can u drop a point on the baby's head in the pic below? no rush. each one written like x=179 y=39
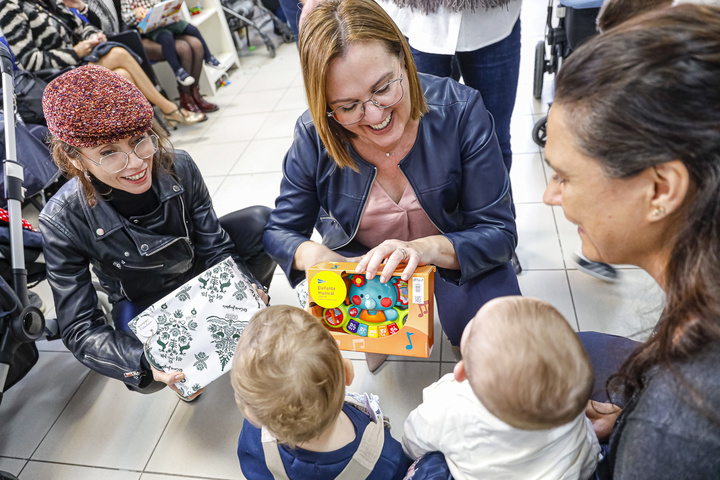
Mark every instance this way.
x=288 y=374
x=525 y=363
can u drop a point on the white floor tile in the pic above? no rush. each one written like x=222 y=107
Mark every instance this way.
x=399 y=386
x=269 y=79
x=201 y=437
x=55 y=471
x=155 y=476
x=30 y=408
x=538 y=246
x=551 y=286
x=238 y=191
x=521 y=134
x=13 y=466
x=631 y=307
x=256 y=102
x=217 y=159
x=528 y=178
x=263 y=155
x=236 y=128
x=106 y=425
x=280 y=123
x=293 y=99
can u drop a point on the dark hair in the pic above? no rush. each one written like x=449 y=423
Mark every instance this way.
x=645 y=93
x=63 y=153
x=614 y=12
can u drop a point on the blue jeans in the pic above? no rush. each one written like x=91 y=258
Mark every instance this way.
x=292 y=9
x=493 y=71
x=458 y=304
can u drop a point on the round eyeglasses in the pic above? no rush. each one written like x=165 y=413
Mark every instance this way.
x=386 y=96
x=116 y=162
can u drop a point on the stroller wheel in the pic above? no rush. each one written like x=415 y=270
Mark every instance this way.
x=539 y=69
x=539 y=132
x=271 y=49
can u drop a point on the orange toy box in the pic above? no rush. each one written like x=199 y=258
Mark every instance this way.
x=367 y=316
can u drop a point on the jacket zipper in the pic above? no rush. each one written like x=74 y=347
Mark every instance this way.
x=108 y=363
x=187 y=233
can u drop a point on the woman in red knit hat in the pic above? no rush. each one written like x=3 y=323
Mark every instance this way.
x=137 y=212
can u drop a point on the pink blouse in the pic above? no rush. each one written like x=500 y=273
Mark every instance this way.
x=384 y=219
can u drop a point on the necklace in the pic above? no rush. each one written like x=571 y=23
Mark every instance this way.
x=388 y=154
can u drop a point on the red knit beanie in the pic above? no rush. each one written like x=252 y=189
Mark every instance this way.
x=91 y=106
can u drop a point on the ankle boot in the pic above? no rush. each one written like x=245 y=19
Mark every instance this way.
x=187 y=102
x=200 y=101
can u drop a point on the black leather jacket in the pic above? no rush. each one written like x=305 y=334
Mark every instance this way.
x=131 y=261
x=455 y=169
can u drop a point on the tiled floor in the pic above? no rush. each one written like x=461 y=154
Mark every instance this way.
x=64 y=422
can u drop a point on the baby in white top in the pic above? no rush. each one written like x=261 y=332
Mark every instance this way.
x=514 y=407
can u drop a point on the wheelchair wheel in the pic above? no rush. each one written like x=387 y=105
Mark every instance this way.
x=539 y=132
x=539 y=69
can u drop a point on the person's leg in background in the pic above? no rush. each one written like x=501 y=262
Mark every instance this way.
x=196 y=51
x=204 y=52
x=170 y=53
x=432 y=63
x=119 y=58
x=494 y=72
x=292 y=9
x=246 y=228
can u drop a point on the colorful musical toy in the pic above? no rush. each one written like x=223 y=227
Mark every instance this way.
x=371 y=309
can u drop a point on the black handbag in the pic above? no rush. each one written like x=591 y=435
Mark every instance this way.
x=29 y=90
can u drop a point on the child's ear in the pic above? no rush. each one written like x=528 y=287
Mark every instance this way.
x=349 y=371
x=459 y=371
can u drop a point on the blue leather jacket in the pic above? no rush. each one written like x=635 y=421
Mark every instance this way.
x=455 y=169
x=131 y=261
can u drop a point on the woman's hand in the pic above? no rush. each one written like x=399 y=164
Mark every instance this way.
x=84 y=47
x=603 y=417
x=77 y=4
x=171 y=378
x=436 y=250
x=98 y=38
x=393 y=252
x=263 y=296
x=140 y=13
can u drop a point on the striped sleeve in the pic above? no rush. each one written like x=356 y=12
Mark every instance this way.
x=17 y=27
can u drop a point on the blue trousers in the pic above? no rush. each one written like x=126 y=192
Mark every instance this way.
x=607 y=354
x=291 y=9
x=458 y=304
x=493 y=71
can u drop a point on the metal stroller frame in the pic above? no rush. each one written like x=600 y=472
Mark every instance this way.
x=576 y=25
x=22 y=323
x=248 y=8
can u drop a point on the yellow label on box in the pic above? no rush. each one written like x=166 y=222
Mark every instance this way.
x=328 y=289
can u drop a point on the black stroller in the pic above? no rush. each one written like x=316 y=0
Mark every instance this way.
x=20 y=323
x=252 y=14
x=575 y=25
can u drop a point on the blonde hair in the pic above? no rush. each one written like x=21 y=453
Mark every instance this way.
x=63 y=155
x=525 y=363
x=326 y=34
x=289 y=373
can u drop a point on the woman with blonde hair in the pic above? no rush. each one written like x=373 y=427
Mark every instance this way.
x=394 y=165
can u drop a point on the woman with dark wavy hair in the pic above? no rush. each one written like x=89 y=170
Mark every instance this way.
x=634 y=140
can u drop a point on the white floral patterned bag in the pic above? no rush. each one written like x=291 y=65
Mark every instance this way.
x=195 y=329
